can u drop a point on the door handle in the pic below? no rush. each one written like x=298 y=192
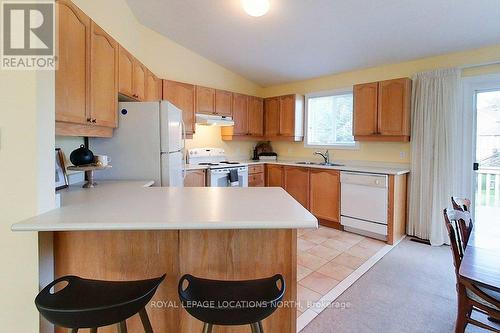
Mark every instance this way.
x=475 y=166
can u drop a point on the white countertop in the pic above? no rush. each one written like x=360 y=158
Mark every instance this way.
x=368 y=167
x=131 y=206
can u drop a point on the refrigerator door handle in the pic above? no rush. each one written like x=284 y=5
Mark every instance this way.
x=183 y=126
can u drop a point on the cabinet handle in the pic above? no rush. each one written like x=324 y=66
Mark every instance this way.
x=94 y=120
x=89 y=120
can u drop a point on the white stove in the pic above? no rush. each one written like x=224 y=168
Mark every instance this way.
x=220 y=169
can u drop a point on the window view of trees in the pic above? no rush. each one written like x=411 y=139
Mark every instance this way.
x=330 y=120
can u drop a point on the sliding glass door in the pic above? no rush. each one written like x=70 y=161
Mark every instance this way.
x=487 y=154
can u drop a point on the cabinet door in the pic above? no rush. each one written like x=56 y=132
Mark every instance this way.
x=394 y=98
x=272 y=116
x=139 y=80
x=182 y=95
x=256 y=180
x=125 y=73
x=205 y=100
x=297 y=184
x=240 y=114
x=287 y=115
x=104 y=78
x=152 y=91
x=224 y=103
x=195 y=178
x=274 y=175
x=324 y=200
x=365 y=109
x=255 y=116
x=72 y=75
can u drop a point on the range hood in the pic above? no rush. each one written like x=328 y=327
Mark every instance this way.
x=212 y=120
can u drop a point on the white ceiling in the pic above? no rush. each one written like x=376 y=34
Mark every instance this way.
x=301 y=39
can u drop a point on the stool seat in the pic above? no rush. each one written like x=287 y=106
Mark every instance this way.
x=218 y=302
x=85 y=303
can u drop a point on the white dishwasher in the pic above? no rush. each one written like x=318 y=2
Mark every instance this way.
x=364 y=203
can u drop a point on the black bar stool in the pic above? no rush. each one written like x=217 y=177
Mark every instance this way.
x=231 y=303
x=83 y=303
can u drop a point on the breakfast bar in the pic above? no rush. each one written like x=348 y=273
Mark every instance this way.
x=128 y=231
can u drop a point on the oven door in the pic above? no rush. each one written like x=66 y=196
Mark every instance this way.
x=220 y=177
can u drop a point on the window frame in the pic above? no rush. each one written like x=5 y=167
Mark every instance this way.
x=325 y=93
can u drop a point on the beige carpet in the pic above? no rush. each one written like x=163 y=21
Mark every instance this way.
x=411 y=289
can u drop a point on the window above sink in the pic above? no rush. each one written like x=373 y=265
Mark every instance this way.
x=329 y=120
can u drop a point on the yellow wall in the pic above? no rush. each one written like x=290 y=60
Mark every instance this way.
x=385 y=152
x=21 y=178
x=164 y=57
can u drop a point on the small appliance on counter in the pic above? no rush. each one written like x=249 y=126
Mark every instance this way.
x=264 y=151
x=221 y=172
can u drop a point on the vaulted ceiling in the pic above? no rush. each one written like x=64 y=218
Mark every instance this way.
x=301 y=39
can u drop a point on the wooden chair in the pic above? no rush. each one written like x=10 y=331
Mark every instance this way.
x=462 y=204
x=471 y=297
x=465 y=227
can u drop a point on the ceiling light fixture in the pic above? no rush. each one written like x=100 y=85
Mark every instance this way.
x=255 y=7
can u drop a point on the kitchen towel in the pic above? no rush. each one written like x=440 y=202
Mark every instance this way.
x=233 y=177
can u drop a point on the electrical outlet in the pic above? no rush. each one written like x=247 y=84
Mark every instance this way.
x=402 y=155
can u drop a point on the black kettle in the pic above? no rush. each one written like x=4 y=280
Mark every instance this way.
x=81 y=156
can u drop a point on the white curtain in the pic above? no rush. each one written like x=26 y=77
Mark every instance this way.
x=436 y=149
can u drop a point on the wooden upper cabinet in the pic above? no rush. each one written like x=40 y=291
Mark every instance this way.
x=104 y=78
x=382 y=110
x=284 y=117
x=72 y=75
x=272 y=116
x=324 y=197
x=394 y=100
x=182 y=95
x=139 y=80
x=274 y=176
x=125 y=72
x=224 y=103
x=240 y=114
x=297 y=184
x=287 y=115
x=255 y=116
x=153 y=89
x=205 y=100
x=365 y=108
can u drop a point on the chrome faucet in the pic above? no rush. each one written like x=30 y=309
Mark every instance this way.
x=326 y=156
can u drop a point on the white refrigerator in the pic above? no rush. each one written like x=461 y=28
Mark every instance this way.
x=147 y=145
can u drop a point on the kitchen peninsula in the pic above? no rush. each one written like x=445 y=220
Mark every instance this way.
x=127 y=231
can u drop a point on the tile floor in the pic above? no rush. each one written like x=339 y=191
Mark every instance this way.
x=327 y=256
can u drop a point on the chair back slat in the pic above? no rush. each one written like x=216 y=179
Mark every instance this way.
x=465 y=224
x=461 y=204
x=452 y=218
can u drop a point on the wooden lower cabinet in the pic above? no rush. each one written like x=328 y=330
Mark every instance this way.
x=256 y=176
x=397 y=210
x=297 y=184
x=213 y=254
x=318 y=190
x=324 y=196
x=195 y=178
x=274 y=176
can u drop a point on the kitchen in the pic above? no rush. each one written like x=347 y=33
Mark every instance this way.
x=170 y=130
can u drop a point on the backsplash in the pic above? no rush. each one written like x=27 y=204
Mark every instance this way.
x=389 y=152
